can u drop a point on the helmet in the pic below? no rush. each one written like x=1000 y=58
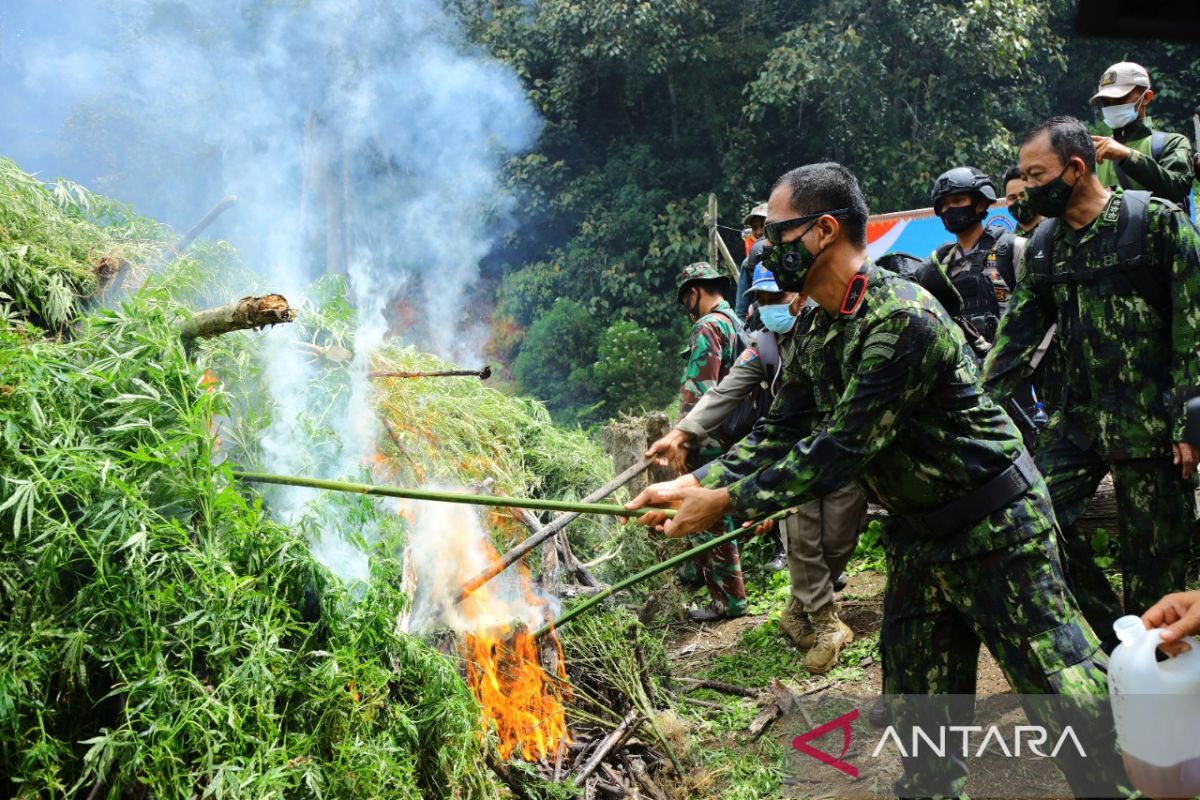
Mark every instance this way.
x=763 y=280
x=759 y=210
x=961 y=179
x=699 y=271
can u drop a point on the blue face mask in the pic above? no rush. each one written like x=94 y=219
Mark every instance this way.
x=777 y=318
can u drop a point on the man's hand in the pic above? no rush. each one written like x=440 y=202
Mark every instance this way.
x=671 y=450
x=1180 y=613
x=1109 y=149
x=699 y=510
x=667 y=493
x=1186 y=456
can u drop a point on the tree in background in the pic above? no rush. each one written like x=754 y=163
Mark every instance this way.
x=650 y=106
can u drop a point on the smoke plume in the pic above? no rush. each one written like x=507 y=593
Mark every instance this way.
x=362 y=137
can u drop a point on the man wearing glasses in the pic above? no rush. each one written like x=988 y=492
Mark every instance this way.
x=971 y=551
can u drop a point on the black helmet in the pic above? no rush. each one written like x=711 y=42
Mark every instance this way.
x=961 y=179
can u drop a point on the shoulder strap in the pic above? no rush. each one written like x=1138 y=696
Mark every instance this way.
x=1040 y=248
x=940 y=254
x=1147 y=279
x=1005 y=258
x=1158 y=142
x=768 y=351
x=739 y=330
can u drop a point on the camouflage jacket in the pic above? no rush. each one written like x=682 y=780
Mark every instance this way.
x=1169 y=176
x=711 y=350
x=1127 y=372
x=901 y=411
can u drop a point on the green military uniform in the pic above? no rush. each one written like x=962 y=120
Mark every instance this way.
x=1169 y=175
x=904 y=415
x=1127 y=372
x=712 y=348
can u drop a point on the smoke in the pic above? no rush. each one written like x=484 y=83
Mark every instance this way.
x=449 y=547
x=362 y=138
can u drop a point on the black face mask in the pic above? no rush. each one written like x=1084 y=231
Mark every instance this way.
x=693 y=307
x=959 y=218
x=1051 y=198
x=1021 y=212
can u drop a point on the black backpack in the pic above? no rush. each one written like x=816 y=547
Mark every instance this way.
x=1152 y=284
x=755 y=405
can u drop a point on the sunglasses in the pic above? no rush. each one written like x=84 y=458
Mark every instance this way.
x=774 y=230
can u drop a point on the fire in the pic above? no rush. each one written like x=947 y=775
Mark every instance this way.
x=519 y=700
x=522 y=701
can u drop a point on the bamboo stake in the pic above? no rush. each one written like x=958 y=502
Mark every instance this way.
x=648 y=572
x=550 y=529
x=608 y=509
x=482 y=374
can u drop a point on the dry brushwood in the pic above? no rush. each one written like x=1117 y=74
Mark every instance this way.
x=613 y=741
x=249 y=312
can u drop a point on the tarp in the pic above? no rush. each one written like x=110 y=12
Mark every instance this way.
x=919 y=232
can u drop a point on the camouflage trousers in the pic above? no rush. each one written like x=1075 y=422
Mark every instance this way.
x=721 y=570
x=1017 y=603
x=1156 y=526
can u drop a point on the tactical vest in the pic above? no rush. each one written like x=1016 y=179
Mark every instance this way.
x=988 y=280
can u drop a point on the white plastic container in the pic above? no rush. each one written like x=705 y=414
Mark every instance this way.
x=1156 y=706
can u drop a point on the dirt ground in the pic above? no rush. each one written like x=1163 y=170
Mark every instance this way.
x=696 y=650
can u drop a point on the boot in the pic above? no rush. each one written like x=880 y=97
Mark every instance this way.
x=795 y=625
x=832 y=636
x=779 y=559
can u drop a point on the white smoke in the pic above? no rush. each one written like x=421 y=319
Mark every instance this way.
x=359 y=135
x=449 y=547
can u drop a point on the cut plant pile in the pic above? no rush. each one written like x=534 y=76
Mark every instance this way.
x=160 y=635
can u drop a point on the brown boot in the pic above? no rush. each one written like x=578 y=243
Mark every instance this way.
x=832 y=636
x=795 y=625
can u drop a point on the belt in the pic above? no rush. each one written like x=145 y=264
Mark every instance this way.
x=979 y=503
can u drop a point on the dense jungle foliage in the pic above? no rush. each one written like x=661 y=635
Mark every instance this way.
x=649 y=106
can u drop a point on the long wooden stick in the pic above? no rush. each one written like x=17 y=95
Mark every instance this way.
x=249 y=312
x=611 y=742
x=608 y=509
x=550 y=529
x=482 y=374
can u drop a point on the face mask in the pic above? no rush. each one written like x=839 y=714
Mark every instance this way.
x=790 y=262
x=1117 y=117
x=959 y=218
x=692 y=306
x=1021 y=212
x=1051 y=198
x=777 y=318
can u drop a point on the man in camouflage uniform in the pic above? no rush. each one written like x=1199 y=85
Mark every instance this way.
x=1136 y=156
x=819 y=536
x=1119 y=273
x=712 y=348
x=971 y=556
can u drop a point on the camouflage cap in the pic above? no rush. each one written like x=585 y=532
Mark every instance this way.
x=1119 y=80
x=759 y=210
x=699 y=271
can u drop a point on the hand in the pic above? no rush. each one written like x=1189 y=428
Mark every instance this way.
x=762 y=527
x=665 y=494
x=1186 y=456
x=671 y=450
x=699 y=510
x=1180 y=613
x=1109 y=149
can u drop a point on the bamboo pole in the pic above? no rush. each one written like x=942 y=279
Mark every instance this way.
x=548 y=530
x=648 y=572
x=734 y=267
x=609 y=509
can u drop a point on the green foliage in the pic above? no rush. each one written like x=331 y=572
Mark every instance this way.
x=1100 y=548
x=51 y=246
x=159 y=632
x=651 y=106
x=554 y=362
x=627 y=354
x=868 y=554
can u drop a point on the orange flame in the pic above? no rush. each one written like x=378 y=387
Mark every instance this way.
x=519 y=700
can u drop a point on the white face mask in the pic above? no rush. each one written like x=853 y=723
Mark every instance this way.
x=1117 y=117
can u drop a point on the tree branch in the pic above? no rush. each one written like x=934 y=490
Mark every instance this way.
x=249 y=312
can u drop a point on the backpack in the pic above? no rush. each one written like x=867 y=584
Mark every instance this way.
x=1152 y=285
x=755 y=405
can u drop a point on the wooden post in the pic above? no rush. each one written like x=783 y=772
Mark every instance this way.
x=710 y=223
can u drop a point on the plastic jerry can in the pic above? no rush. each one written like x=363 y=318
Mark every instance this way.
x=1156 y=707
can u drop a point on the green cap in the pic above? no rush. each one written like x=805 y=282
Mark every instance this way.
x=699 y=271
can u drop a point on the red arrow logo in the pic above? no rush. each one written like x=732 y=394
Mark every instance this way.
x=843 y=722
